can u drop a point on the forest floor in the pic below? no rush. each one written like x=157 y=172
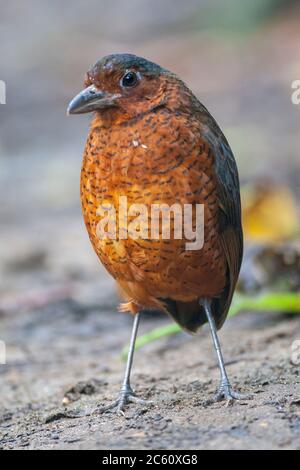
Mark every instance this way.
x=59 y=348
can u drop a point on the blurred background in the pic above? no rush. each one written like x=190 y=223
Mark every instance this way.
x=239 y=58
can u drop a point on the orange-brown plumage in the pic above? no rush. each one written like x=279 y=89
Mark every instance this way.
x=156 y=143
x=152 y=143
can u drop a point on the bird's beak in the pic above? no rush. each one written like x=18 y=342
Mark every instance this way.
x=91 y=99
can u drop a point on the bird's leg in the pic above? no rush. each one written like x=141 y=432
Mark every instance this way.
x=126 y=394
x=225 y=390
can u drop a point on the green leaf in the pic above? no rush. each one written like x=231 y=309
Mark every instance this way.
x=285 y=302
x=157 y=333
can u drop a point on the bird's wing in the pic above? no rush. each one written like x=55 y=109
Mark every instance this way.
x=230 y=214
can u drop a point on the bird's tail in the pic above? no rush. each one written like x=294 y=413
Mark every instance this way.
x=191 y=315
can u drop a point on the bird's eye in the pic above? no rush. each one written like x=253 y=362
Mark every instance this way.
x=130 y=79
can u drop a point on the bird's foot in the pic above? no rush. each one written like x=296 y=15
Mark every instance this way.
x=226 y=393
x=126 y=396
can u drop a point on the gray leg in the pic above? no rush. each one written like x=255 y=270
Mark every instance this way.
x=225 y=390
x=126 y=394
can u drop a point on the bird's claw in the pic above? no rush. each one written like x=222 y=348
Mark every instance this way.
x=118 y=406
x=226 y=393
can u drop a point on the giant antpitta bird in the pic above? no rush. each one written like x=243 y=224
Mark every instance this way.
x=152 y=142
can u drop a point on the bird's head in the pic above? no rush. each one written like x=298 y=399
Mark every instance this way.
x=122 y=82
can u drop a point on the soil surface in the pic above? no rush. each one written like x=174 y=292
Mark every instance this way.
x=60 y=351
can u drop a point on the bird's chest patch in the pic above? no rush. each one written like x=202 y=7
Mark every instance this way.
x=124 y=175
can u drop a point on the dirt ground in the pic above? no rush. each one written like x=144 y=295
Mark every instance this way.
x=61 y=348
